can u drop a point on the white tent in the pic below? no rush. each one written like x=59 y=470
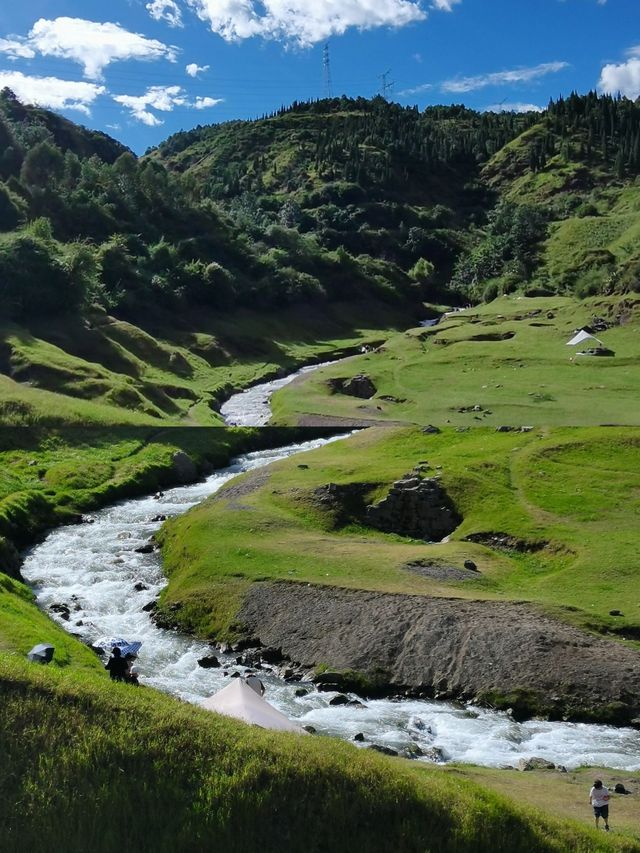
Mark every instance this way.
x=242 y=702
x=580 y=337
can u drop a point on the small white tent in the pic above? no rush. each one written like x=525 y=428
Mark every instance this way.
x=580 y=337
x=242 y=702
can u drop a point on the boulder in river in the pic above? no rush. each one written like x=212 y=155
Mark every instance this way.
x=208 y=662
x=535 y=763
x=62 y=610
x=340 y=699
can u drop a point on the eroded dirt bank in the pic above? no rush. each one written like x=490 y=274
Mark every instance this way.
x=503 y=653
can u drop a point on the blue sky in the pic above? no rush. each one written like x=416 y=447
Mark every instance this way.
x=142 y=69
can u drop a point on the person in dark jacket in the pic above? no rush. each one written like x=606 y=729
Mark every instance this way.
x=117 y=666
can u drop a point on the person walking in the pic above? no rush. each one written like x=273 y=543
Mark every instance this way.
x=599 y=799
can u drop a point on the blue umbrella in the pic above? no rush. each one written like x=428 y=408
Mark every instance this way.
x=109 y=643
x=42 y=653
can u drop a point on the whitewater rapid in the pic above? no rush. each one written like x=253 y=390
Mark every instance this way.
x=253 y=406
x=96 y=571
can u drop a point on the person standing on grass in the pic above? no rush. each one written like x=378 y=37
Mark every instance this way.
x=599 y=799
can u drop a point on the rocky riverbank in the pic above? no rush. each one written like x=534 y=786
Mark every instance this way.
x=502 y=654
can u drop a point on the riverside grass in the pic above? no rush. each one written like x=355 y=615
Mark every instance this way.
x=124 y=769
x=109 y=372
x=576 y=490
x=509 y=357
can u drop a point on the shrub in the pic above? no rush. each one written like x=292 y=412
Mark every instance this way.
x=34 y=279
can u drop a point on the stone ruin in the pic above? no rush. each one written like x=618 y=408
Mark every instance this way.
x=416 y=507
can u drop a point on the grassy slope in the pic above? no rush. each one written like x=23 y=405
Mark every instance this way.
x=530 y=378
x=565 y=486
x=113 y=372
x=564 y=795
x=593 y=239
x=48 y=477
x=124 y=769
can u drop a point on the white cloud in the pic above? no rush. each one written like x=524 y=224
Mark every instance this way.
x=481 y=81
x=15 y=48
x=502 y=78
x=164 y=99
x=623 y=78
x=52 y=92
x=193 y=70
x=416 y=90
x=91 y=44
x=166 y=10
x=514 y=108
x=446 y=5
x=304 y=22
x=205 y=103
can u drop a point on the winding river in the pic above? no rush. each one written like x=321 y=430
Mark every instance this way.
x=96 y=570
x=253 y=406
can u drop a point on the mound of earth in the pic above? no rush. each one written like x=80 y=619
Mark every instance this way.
x=440 y=571
x=500 y=652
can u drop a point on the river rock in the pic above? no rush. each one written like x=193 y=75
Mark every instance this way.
x=140 y=587
x=535 y=763
x=340 y=699
x=184 y=468
x=359 y=738
x=62 y=610
x=309 y=729
x=413 y=752
x=150 y=606
x=434 y=753
x=208 y=662
x=301 y=692
x=385 y=750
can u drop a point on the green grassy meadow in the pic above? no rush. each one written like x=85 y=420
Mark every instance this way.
x=508 y=357
x=110 y=372
x=124 y=769
x=568 y=488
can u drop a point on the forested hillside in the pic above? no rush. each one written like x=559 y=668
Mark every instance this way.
x=193 y=269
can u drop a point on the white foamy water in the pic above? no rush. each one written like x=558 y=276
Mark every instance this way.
x=253 y=406
x=93 y=568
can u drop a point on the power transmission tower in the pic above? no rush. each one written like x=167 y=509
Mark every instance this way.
x=326 y=67
x=386 y=85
